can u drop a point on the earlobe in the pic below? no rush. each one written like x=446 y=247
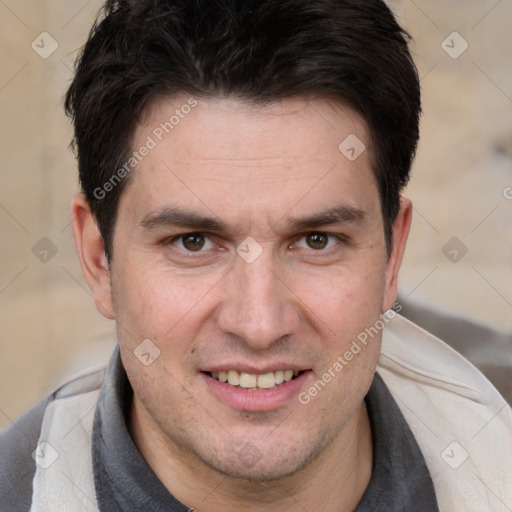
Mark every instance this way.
x=401 y=229
x=91 y=254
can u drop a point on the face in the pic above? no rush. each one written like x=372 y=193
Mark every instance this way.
x=248 y=247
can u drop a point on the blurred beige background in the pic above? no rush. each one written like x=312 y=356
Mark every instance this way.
x=460 y=184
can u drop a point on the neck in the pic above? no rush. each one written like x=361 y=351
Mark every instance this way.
x=334 y=482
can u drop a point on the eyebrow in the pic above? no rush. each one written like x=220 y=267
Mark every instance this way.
x=337 y=215
x=182 y=218
x=178 y=217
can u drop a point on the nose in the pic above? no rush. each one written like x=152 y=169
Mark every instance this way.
x=258 y=306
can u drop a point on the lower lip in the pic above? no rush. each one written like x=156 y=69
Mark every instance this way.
x=258 y=399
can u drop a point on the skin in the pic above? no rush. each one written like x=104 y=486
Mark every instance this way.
x=299 y=303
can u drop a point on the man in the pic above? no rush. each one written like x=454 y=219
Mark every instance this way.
x=241 y=221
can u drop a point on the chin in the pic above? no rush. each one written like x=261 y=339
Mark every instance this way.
x=246 y=462
x=263 y=471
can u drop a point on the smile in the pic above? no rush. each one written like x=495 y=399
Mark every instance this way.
x=251 y=381
x=256 y=390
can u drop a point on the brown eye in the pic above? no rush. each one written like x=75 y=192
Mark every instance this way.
x=193 y=242
x=317 y=241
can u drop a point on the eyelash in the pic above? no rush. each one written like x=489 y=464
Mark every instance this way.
x=179 y=238
x=328 y=235
x=339 y=237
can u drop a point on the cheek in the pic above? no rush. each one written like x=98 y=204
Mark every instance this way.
x=155 y=303
x=347 y=312
x=348 y=297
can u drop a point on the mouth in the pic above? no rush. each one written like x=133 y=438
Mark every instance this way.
x=247 y=387
x=250 y=390
x=253 y=381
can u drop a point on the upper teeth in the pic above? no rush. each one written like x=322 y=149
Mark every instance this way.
x=251 y=380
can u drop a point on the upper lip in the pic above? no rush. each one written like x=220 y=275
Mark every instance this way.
x=255 y=370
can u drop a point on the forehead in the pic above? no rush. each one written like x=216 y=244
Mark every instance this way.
x=232 y=122
x=265 y=156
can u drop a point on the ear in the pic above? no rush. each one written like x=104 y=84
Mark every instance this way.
x=399 y=240
x=91 y=253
